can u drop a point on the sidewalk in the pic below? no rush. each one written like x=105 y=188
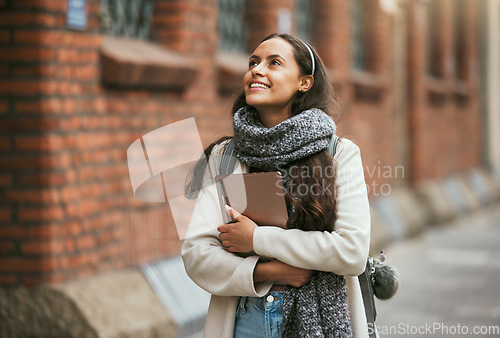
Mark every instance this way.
x=449 y=280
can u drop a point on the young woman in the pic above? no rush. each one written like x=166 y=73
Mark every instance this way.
x=307 y=286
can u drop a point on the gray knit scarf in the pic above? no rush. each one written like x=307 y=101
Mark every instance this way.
x=269 y=148
x=318 y=308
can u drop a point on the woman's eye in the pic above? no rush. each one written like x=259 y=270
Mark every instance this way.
x=252 y=64
x=275 y=63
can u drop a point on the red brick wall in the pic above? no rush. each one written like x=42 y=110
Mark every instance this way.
x=66 y=204
x=445 y=112
x=367 y=102
x=67 y=207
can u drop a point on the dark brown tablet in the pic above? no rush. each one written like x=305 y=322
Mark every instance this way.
x=259 y=196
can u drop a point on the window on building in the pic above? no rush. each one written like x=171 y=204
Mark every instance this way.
x=434 y=65
x=127 y=18
x=304 y=17
x=231 y=26
x=459 y=43
x=358 y=34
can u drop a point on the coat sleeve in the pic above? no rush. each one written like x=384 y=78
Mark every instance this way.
x=207 y=263
x=343 y=251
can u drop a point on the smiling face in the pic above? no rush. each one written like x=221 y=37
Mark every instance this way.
x=272 y=80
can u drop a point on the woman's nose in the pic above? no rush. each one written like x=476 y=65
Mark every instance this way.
x=258 y=70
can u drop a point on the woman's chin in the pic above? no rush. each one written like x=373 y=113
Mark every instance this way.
x=254 y=103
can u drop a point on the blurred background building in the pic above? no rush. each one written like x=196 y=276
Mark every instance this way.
x=419 y=83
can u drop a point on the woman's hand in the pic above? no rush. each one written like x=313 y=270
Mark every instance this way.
x=281 y=273
x=237 y=236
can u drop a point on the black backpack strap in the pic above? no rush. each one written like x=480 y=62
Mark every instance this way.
x=228 y=161
x=368 y=298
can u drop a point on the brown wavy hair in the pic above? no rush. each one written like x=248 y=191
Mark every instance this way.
x=311 y=210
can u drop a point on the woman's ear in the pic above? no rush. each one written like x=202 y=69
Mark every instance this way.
x=306 y=82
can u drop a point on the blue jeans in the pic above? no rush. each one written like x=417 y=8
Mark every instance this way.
x=260 y=317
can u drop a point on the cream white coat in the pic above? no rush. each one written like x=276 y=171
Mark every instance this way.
x=227 y=276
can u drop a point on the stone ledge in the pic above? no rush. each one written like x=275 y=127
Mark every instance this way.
x=414 y=214
x=41 y=312
x=397 y=216
x=230 y=70
x=368 y=86
x=435 y=200
x=484 y=184
x=120 y=304
x=380 y=235
x=128 y=63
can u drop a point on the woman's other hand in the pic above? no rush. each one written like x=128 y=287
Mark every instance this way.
x=281 y=273
x=238 y=235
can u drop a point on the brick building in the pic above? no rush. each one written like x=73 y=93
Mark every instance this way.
x=73 y=97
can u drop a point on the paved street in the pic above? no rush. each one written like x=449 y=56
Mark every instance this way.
x=450 y=280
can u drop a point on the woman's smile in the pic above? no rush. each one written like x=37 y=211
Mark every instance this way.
x=258 y=85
